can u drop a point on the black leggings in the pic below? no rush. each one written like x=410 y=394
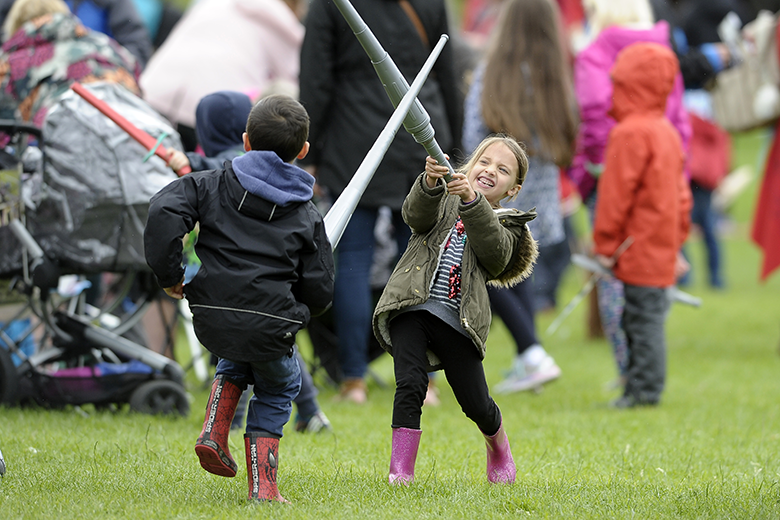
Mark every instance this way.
x=514 y=305
x=412 y=334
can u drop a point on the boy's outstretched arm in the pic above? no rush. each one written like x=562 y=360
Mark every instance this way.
x=172 y=214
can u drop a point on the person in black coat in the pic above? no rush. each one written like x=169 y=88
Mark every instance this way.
x=266 y=266
x=349 y=108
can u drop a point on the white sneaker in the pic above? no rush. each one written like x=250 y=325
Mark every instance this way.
x=315 y=424
x=527 y=377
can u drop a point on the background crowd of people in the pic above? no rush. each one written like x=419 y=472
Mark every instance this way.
x=539 y=70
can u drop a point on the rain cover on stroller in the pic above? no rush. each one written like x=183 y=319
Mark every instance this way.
x=89 y=210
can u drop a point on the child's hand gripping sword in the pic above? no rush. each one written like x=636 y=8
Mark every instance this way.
x=338 y=217
x=146 y=140
x=417 y=121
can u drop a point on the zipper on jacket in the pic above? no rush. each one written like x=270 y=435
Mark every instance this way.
x=218 y=308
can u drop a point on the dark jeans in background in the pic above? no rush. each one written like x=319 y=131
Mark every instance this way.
x=644 y=318
x=704 y=216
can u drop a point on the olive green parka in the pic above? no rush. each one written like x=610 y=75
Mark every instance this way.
x=499 y=251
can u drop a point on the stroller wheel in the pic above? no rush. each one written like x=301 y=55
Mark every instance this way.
x=9 y=379
x=160 y=397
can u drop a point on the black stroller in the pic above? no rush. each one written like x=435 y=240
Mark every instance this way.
x=74 y=207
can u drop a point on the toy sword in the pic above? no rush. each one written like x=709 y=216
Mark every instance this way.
x=598 y=271
x=417 y=121
x=595 y=275
x=338 y=217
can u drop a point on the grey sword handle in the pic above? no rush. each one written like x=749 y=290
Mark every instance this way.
x=417 y=122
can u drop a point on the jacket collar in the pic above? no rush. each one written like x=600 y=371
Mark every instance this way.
x=252 y=205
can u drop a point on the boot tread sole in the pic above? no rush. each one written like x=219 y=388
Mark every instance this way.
x=211 y=461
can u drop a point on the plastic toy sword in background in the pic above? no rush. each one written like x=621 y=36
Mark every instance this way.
x=146 y=140
x=338 y=217
x=417 y=121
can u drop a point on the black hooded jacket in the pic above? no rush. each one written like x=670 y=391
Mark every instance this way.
x=266 y=261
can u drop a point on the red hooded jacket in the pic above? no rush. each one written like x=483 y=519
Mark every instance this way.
x=643 y=192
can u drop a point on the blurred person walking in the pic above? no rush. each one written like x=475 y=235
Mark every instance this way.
x=523 y=87
x=710 y=158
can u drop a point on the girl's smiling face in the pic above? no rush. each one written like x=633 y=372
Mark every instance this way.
x=495 y=174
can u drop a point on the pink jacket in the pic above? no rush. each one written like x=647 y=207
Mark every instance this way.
x=593 y=90
x=240 y=45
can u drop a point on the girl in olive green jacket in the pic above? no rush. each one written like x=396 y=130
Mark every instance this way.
x=435 y=313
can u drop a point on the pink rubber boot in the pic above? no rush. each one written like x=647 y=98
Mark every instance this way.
x=500 y=464
x=403 y=455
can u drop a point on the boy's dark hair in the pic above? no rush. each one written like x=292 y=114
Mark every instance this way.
x=279 y=124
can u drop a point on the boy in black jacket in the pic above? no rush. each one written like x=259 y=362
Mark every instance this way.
x=266 y=266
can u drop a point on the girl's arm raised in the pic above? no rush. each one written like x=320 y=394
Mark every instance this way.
x=421 y=207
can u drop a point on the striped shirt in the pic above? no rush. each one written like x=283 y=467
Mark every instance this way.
x=446 y=284
x=444 y=300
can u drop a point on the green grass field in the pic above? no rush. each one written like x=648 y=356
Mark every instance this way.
x=711 y=450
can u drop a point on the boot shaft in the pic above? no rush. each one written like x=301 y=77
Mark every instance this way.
x=403 y=456
x=262 y=461
x=220 y=408
x=212 y=445
x=500 y=464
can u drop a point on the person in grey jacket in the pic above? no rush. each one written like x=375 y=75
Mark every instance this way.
x=266 y=266
x=434 y=312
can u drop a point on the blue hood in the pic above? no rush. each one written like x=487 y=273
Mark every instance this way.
x=264 y=174
x=221 y=120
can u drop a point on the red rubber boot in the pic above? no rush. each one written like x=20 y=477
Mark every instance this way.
x=212 y=445
x=262 y=459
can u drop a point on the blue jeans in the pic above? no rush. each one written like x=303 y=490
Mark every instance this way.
x=306 y=402
x=276 y=384
x=352 y=302
x=706 y=218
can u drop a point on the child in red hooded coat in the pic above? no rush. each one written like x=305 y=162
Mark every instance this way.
x=643 y=199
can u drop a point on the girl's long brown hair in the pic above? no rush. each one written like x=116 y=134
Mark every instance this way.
x=527 y=89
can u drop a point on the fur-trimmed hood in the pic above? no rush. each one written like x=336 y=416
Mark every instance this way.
x=527 y=252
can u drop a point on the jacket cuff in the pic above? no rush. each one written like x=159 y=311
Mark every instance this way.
x=170 y=282
x=433 y=192
x=467 y=206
